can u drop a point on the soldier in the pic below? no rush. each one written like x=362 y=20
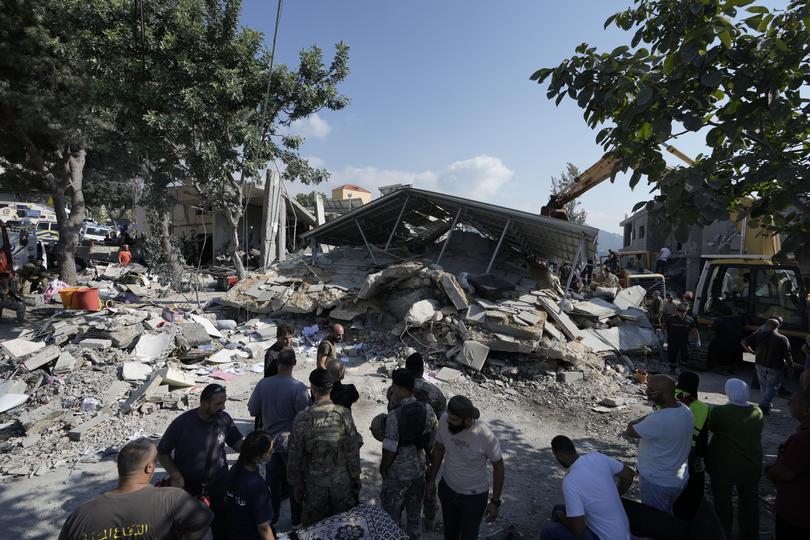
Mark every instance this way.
x=410 y=430
x=324 y=455
x=429 y=393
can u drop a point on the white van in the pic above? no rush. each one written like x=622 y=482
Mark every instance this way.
x=95 y=233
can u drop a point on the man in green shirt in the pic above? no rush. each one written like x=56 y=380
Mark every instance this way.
x=734 y=459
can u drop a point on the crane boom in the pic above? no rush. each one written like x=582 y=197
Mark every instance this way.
x=593 y=176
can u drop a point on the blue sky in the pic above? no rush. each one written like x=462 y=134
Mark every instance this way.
x=441 y=97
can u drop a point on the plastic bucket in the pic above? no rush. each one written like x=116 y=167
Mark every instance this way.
x=85 y=298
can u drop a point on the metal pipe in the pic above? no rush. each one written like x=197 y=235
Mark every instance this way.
x=368 y=247
x=449 y=234
x=399 y=217
x=498 y=246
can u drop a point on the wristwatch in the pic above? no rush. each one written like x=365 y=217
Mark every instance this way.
x=496 y=502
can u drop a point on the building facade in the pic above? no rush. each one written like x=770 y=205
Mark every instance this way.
x=351 y=191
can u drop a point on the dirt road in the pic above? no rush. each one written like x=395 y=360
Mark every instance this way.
x=36 y=507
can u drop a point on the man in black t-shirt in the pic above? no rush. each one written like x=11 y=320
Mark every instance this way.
x=773 y=360
x=136 y=509
x=678 y=328
x=284 y=337
x=192 y=450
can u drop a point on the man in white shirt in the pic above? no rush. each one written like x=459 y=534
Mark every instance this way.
x=465 y=444
x=662 y=264
x=666 y=440
x=593 y=506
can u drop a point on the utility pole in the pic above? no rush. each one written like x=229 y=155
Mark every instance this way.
x=269 y=218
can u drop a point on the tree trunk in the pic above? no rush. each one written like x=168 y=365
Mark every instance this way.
x=70 y=184
x=166 y=244
x=233 y=245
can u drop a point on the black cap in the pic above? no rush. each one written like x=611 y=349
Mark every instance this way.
x=404 y=378
x=688 y=381
x=463 y=407
x=321 y=378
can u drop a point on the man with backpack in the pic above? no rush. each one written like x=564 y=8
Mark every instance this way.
x=410 y=430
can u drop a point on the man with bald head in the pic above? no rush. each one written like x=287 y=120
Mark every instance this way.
x=135 y=508
x=327 y=350
x=665 y=441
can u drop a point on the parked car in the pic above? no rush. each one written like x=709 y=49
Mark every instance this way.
x=94 y=233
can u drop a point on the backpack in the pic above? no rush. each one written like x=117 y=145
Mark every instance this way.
x=411 y=420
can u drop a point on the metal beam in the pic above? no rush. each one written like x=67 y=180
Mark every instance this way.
x=368 y=247
x=573 y=265
x=399 y=218
x=449 y=234
x=498 y=246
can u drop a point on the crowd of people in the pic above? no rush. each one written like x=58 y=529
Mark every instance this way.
x=436 y=456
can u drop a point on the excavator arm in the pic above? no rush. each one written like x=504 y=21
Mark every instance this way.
x=593 y=176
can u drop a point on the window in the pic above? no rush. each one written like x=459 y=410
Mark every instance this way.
x=641 y=232
x=777 y=293
x=728 y=291
x=43 y=226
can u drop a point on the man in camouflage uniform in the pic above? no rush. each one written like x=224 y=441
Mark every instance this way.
x=324 y=455
x=429 y=393
x=404 y=461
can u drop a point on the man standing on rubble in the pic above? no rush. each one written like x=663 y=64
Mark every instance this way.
x=655 y=306
x=678 y=328
x=278 y=400
x=662 y=263
x=137 y=508
x=666 y=440
x=324 y=455
x=192 y=450
x=465 y=444
x=410 y=430
x=327 y=350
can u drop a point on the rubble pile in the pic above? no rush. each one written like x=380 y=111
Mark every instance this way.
x=81 y=383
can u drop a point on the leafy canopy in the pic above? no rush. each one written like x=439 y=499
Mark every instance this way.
x=730 y=69
x=573 y=209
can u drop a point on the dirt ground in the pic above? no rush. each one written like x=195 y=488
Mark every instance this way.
x=523 y=420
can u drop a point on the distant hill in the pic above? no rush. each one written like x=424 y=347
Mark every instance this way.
x=608 y=240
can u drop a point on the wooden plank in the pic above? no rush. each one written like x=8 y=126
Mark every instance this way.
x=88 y=427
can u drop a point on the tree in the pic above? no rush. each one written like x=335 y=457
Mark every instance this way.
x=308 y=199
x=730 y=69
x=221 y=126
x=49 y=119
x=573 y=209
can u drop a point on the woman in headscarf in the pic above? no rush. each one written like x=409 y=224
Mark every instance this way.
x=734 y=459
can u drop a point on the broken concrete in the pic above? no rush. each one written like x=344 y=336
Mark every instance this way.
x=421 y=312
x=473 y=354
x=96 y=344
x=19 y=348
x=64 y=364
x=42 y=357
x=630 y=297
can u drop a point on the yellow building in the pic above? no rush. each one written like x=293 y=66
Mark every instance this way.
x=351 y=191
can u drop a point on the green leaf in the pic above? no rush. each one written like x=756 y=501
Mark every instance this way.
x=725 y=38
x=711 y=78
x=692 y=122
x=541 y=74
x=669 y=64
x=645 y=131
x=638 y=206
x=620 y=50
x=753 y=22
x=644 y=96
x=757 y=9
x=715 y=137
x=635 y=178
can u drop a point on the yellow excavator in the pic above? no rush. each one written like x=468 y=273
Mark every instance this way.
x=751 y=286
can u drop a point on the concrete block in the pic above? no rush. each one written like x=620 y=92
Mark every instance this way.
x=42 y=357
x=19 y=348
x=475 y=314
x=453 y=290
x=145 y=389
x=421 y=312
x=447 y=374
x=151 y=347
x=209 y=326
x=175 y=377
x=97 y=344
x=64 y=364
x=194 y=334
x=12 y=386
x=473 y=354
x=135 y=371
x=569 y=377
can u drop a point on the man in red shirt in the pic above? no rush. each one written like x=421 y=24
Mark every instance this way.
x=791 y=475
x=124 y=256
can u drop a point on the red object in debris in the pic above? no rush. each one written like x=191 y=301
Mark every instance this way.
x=231 y=281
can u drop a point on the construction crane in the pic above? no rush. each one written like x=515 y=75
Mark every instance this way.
x=593 y=176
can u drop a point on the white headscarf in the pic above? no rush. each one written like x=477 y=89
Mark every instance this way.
x=737 y=392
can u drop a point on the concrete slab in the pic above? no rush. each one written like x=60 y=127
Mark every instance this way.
x=19 y=348
x=475 y=314
x=12 y=386
x=64 y=364
x=473 y=354
x=96 y=344
x=207 y=324
x=447 y=374
x=135 y=371
x=530 y=317
x=41 y=358
x=630 y=297
x=151 y=347
x=564 y=322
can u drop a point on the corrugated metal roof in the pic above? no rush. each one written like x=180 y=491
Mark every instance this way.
x=428 y=214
